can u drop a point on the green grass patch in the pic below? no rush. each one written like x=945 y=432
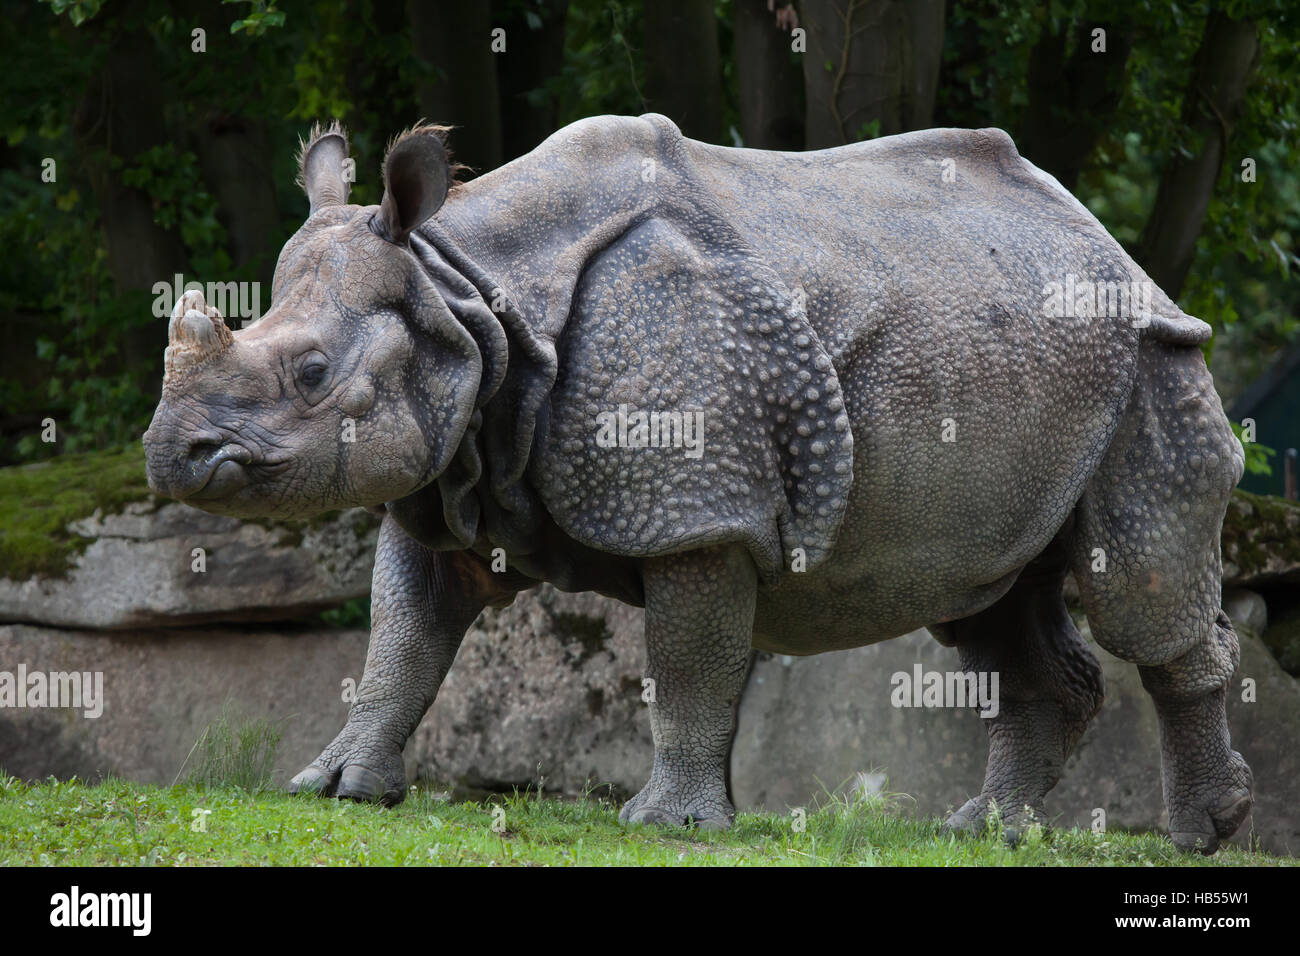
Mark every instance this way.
x=38 y=501
x=233 y=752
x=121 y=823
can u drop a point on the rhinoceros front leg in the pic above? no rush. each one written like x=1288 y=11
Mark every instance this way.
x=422 y=602
x=699 y=629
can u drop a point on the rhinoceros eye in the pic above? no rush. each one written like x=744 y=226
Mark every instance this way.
x=312 y=374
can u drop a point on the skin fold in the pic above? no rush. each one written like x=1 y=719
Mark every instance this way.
x=903 y=425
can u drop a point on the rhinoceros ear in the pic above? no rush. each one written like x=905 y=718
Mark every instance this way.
x=323 y=166
x=417 y=175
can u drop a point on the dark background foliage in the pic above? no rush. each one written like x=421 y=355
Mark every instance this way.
x=169 y=160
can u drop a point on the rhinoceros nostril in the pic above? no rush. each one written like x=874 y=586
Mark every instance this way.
x=203 y=451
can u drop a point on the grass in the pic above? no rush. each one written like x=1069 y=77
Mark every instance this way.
x=71 y=823
x=234 y=752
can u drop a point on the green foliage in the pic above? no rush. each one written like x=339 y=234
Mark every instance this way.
x=603 y=71
x=78 y=11
x=181 y=203
x=262 y=17
x=279 y=68
x=354 y=615
x=1257 y=455
x=868 y=130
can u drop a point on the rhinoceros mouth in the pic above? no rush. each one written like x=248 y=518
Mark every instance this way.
x=220 y=473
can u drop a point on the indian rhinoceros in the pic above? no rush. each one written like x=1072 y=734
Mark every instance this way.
x=926 y=385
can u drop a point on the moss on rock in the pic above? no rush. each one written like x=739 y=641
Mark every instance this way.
x=1261 y=536
x=38 y=502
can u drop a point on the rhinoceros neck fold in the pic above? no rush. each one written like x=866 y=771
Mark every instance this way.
x=486 y=481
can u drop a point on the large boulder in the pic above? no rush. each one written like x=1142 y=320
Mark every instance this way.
x=545 y=691
x=162 y=688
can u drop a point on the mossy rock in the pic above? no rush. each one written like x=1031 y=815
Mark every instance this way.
x=38 y=503
x=1261 y=540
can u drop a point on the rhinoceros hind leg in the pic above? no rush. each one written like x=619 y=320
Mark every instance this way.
x=1146 y=556
x=1049 y=687
x=699 y=629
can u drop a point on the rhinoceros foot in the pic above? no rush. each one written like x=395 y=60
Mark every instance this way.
x=662 y=804
x=349 y=771
x=974 y=815
x=1201 y=816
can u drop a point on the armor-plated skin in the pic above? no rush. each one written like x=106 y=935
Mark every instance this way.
x=899 y=429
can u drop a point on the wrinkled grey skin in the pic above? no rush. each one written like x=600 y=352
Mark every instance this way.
x=836 y=315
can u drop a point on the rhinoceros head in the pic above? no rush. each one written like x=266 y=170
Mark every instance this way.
x=357 y=385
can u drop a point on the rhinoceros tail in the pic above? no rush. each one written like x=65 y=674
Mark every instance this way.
x=1177 y=328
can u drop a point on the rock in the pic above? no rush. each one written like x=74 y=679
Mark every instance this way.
x=138 y=569
x=548 y=689
x=1283 y=640
x=808 y=726
x=162 y=688
x=1246 y=609
x=1261 y=542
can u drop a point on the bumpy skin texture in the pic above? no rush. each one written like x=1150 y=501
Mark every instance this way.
x=896 y=434
x=1155 y=506
x=422 y=602
x=699 y=623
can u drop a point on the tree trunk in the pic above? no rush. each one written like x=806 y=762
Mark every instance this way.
x=870 y=60
x=455 y=38
x=683 y=72
x=1222 y=69
x=234 y=154
x=383 y=101
x=119 y=117
x=769 y=78
x=1071 y=102
x=534 y=54
x=236 y=162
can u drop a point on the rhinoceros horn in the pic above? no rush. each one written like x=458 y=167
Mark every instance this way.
x=197 y=332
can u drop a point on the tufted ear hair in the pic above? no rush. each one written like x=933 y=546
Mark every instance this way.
x=417 y=177
x=323 y=166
